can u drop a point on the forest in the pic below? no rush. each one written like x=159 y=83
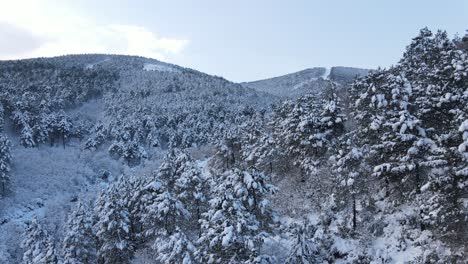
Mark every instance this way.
x=371 y=170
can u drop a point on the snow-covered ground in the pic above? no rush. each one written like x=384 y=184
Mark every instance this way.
x=45 y=182
x=326 y=74
x=159 y=67
x=90 y=66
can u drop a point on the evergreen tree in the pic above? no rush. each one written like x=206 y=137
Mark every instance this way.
x=97 y=137
x=351 y=183
x=2 y=118
x=303 y=250
x=79 y=242
x=463 y=147
x=113 y=229
x=239 y=218
x=5 y=159
x=166 y=207
x=38 y=245
x=306 y=129
x=229 y=148
x=64 y=127
x=175 y=249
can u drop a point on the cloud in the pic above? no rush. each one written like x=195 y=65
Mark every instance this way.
x=143 y=42
x=47 y=28
x=15 y=40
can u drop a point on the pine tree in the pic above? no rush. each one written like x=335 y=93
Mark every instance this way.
x=191 y=188
x=463 y=147
x=175 y=249
x=26 y=137
x=303 y=250
x=97 y=137
x=5 y=159
x=407 y=118
x=306 y=129
x=64 y=127
x=38 y=245
x=2 y=117
x=350 y=175
x=239 y=218
x=113 y=229
x=258 y=148
x=228 y=149
x=166 y=206
x=79 y=242
x=23 y=120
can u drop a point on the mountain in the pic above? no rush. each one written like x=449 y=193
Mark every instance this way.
x=180 y=99
x=121 y=159
x=72 y=124
x=309 y=80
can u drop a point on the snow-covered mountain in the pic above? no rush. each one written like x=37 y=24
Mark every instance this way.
x=311 y=80
x=77 y=122
x=121 y=159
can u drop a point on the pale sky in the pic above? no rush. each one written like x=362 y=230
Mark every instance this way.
x=241 y=40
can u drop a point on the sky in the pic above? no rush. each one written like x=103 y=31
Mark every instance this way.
x=242 y=40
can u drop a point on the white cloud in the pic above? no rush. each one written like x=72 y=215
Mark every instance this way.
x=143 y=42
x=57 y=30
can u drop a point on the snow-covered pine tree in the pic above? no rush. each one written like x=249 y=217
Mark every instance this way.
x=41 y=128
x=23 y=120
x=408 y=116
x=399 y=145
x=238 y=220
x=177 y=248
x=97 y=136
x=258 y=148
x=169 y=195
x=38 y=245
x=332 y=118
x=26 y=137
x=228 y=149
x=305 y=129
x=191 y=188
x=5 y=159
x=112 y=228
x=349 y=172
x=64 y=126
x=79 y=243
x=2 y=118
x=303 y=250
x=463 y=147
x=133 y=190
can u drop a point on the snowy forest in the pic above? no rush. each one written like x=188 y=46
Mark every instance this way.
x=123 y=159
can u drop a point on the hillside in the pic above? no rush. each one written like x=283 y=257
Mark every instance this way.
x=79 y=117
x=121 y=159
x=313 y=80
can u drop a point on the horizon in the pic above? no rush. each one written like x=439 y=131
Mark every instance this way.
x=254 y=41
x=168 y=62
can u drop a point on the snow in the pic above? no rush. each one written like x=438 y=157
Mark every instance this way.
x=425 y=187
x=159 y=67
x=463 y=126
x=304 y=83
x=228 y=236
x=90 y=66
x=45 y=181
x=326 y=73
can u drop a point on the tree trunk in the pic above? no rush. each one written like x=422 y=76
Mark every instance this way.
x=354 y=213
x=198 y=219
x=418 y=180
